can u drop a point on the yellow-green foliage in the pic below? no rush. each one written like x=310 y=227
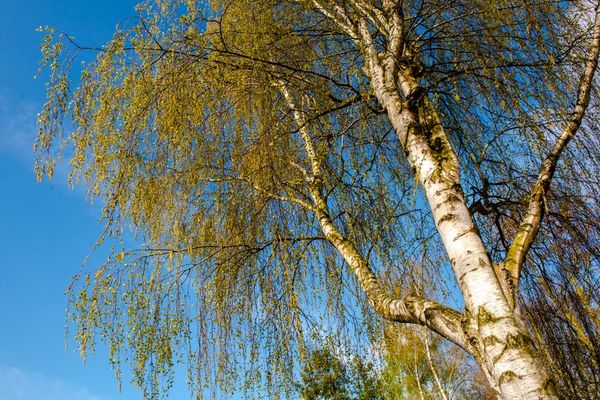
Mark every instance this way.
x=178 y=129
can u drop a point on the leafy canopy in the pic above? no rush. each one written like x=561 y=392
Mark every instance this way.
x=180 y=128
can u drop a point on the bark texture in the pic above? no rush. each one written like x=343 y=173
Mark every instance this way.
x=490 y=327
x=494 y=336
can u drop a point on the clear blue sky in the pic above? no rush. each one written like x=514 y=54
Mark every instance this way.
x=46 y=229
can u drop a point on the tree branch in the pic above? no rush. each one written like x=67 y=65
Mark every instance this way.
x=531 y=223
x=411 y=309
x=374 y=14
x=338 y=15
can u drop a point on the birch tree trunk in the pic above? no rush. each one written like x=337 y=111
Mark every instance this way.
x=491 y=326
x=493 y=334
x=491 y=330
x=502 y=347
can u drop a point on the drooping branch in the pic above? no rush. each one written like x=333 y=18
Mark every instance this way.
x=411 y=309
x=535 y=212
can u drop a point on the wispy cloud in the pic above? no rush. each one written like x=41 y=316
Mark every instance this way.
x=17 y=384
x=17 y=127
x=18 y=130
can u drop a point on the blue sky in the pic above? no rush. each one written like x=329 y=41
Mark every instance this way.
x=46 y=229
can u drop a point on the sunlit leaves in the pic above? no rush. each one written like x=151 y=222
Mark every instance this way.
x=178 y=128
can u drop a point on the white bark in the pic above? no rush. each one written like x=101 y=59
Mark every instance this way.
x=497 y=340
x=501 y=346
x=491 y=330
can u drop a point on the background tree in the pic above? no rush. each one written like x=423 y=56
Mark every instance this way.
x=409 y=365
x=418 y=365
x=330 y=373
x=563 y=313
x=288 y=164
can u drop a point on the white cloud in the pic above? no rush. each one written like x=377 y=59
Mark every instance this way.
x=17 y=127
x=18 y=131
x=17 y=384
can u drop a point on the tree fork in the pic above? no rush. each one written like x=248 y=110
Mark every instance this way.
x=501 y=345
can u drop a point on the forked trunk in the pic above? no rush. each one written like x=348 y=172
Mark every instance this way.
x=491 y=329
x=494 y=336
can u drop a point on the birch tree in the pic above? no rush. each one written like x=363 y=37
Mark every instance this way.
x=284 y=165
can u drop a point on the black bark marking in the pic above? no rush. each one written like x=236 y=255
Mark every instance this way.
x=491 y=340
x=484 y=317
x=447 y=218
x=471 y=230
x=518 y=341
x=507 y=376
